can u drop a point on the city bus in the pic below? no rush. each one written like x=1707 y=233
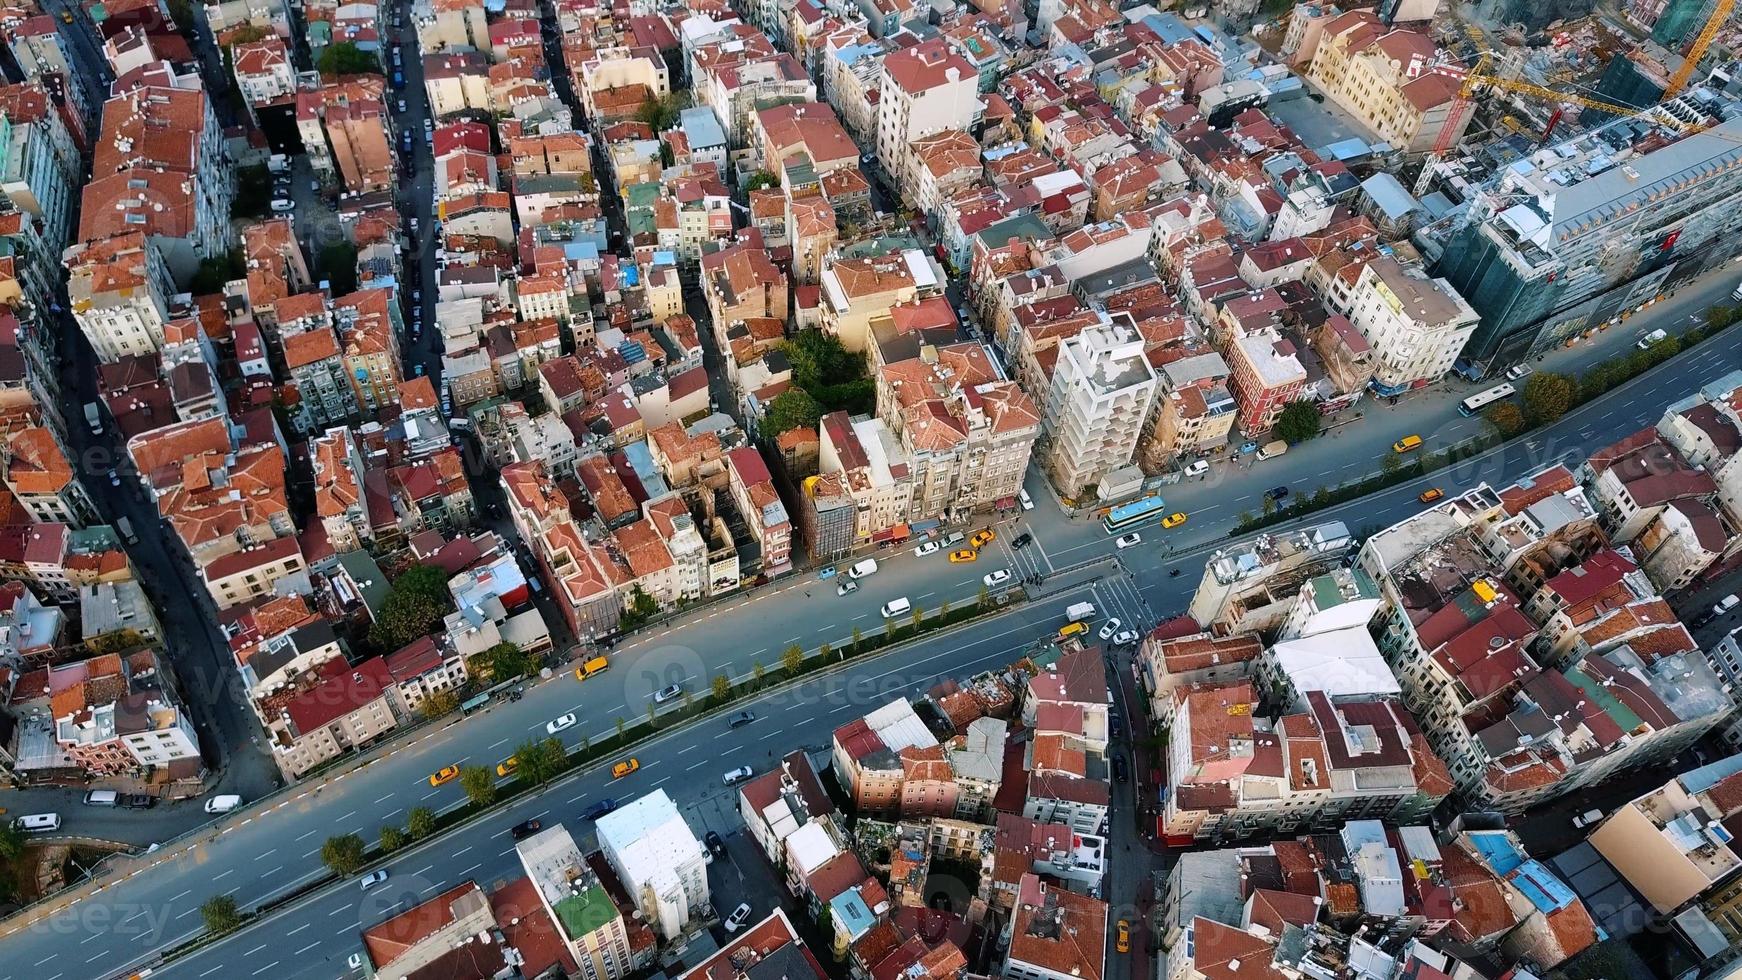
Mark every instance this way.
x=1475 y=403
x=1127 y=516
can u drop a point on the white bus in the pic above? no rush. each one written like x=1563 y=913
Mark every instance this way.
x=1475 y=403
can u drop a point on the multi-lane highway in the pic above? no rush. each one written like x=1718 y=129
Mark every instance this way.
x=259 y=856
x=263 y=856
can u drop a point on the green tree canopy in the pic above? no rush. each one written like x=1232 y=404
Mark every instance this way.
x=660 y=113
x=220 y=914
x=1298 y=422
x=1547 y=396
x=345 y=58
x=793 y=408
x=500 y=662
x=1506 y=417
x=414 y=607
x=343 y=853
x=392 y=839
x=337 y=264
x=541 y=760
x=479 y=782
x=420 y=822
x=759 y=180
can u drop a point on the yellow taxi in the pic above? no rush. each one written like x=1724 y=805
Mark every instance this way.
x=507 y=766
x=1173 y=520
x=447 y=773
x=1123 y=942
x=624 y=768
x=982 y=538
x=595 y=665
x=966 y=554
x=1430 y=495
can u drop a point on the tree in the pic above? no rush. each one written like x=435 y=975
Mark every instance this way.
x=438 y=703
x=479 y=782
x=343 y=853
x=245 y=34
x=1547 y=396
x=392 y=839
x=722 y=688
x=622 y=727
x=115 y=642
x=985 y=597
x=214 y=272
x=659 y=113
x=858 y=634
x=1390 y=463
x=642 y=607
x=759 y=180
x=11 y=841
x=792 y=660
x=345 y=58
x=337 y=263
x=414 y=607
x=757 y=671
x=943 y=609
x=793 y=408
x=1298 y=422
x=823 y=652
x=652 y=715
x=220 y=914
x=420 y=822
x=1268 y=504
x=541 y=761
x=918 y=616
x=1506 y=418
x=500 y=662
x=589 y=183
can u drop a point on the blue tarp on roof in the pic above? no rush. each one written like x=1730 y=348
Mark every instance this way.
x=1498 y=851
x=1545 y=891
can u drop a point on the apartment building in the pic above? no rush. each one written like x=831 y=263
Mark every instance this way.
x=325 y=710
x=1385 y=79
x=1101 y=392
x=1232 y=775
x=926 y=89
x=1512 y=732
x=1265 y=375
x=752 y=489
x=1415 y=326
x=120 y=290
x=1673 y=844
x=659 y=860
x=1056 y=934
x=589 y=922
x=1252 y=586
x=869 y=757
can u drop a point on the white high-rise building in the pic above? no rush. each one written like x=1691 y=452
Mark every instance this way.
x=1416 y=325
x=1102 y=389
x=659 y=860
x=926 y=89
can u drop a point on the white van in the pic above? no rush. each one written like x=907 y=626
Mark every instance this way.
x=223 y=804
x=38 y=823
x=102 y=797
x=863 y=568
x=897 y=607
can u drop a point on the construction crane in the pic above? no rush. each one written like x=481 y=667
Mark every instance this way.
x=1463 y=104
x=1714 y=23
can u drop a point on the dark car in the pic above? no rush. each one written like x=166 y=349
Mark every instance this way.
x=1276 y=493
x=525 y=828
x=1120 y=773
x=715 y=844
x=1115 y=725
x=137 y=801
x=600 y=809
x=741 y=719
x=1023 y=540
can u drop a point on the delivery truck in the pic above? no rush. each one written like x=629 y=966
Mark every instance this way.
x=1076 y=612
x=93 y=419
x=1275 y=447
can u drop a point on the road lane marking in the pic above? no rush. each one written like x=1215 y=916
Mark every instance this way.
x=255 y=950
x=470 y=870
x=384 y=799
x=423 y=869
x=307 y=948
x=47 y=958
x=266 y=967
x=298 y=929
x=213 y=970
x=695 y=767
x=303 y=837
x=339 y=911
x=224 y=874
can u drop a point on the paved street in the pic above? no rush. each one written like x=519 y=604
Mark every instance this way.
x=730 y=637
x=258 y=856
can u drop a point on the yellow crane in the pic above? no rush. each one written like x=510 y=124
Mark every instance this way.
x=1714 y=23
